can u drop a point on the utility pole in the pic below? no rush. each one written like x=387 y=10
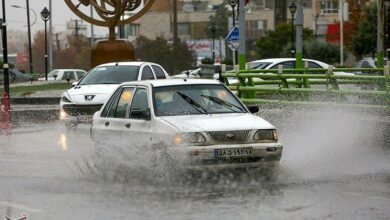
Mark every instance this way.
x=50 y=37
x=380 y=34
x=30 y=59
x=175 y=34
x=6 y=76
x=299 y=35
x=242 y=37
x=92 y=31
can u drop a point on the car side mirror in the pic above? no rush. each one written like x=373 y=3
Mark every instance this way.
x=55 y=77
x=148 y=115
x=74 y=84
x=253 y=108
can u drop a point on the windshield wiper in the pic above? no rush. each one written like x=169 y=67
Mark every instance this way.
x=223 y=102
x=194 y=104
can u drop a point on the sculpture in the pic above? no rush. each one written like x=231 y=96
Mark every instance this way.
x=111 y=12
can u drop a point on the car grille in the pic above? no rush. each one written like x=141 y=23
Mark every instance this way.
x=75 y=110
x=229 y=136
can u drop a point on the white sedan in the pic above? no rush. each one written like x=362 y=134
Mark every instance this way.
x=200 y=123
x=78 y=104
x=65 y=74
x=289 y=63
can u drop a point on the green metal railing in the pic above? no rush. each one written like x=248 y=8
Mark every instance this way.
x=284 y=85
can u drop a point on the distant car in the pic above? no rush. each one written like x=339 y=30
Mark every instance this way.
x=289 y=63
x=188 y=74
x=14 y=76
x=199 y=123
x=65 y=74
x=368 y=62
x=78 y=104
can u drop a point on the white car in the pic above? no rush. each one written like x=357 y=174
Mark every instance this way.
x=200 y=123
x=65 y=74
x=78 y=104
x=289 y=63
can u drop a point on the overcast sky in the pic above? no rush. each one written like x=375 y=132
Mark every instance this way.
x=17 y=18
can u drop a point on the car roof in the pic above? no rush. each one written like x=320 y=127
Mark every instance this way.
x=131 y=63
x=68 y=70
x=274 y=60
x=172 y=82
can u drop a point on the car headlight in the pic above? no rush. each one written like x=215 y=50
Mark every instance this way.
x=189 y=138
x=266 y=135
x=66 y=98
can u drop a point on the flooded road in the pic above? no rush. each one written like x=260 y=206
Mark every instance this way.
x=335 y=165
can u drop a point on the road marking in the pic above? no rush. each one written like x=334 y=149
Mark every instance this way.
x=19 y=206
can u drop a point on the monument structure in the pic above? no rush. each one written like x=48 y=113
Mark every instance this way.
x=111 y=13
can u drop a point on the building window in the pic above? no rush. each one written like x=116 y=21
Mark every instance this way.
x=183 y=29
x=329 y=7
x=133 y=29
x=255 y=28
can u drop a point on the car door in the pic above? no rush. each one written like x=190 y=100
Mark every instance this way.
x=138 y=117
x=112 y=120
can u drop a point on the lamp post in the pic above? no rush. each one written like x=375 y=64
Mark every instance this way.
x=293 y=8
x=213 y=29
x=45 y=15
x=28 y=31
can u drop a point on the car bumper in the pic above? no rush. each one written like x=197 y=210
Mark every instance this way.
x=203 y=157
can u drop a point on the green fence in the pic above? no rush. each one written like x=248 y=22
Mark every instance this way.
x=363 y=87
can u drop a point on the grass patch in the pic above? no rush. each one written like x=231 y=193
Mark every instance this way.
x=26 y=90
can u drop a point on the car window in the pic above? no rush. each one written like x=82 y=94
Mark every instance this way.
x=80 y=74
x=113 y=99
x=118 y=110
x=314 y=65
x=286 y=65
x=195 y=99
x=140 y=104
x=159 y=72
x=111 y=75
x=147 y=73
x=258 y=65
x=53 y=73
x=68 y=75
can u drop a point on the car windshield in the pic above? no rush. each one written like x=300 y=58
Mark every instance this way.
x=111 y=75
x=258 y=65
x=195 y=99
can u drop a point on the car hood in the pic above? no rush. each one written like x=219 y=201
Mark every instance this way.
x=100 y=93
x=217 y=122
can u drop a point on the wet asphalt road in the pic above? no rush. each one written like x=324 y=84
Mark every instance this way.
x=336 y=165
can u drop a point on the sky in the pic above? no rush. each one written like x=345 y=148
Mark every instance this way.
x=17 y=17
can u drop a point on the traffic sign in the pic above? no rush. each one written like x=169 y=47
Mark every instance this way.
x=234 y=35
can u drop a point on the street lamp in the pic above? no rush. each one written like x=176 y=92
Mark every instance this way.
x=293 y=8
x=45 y=15
x=28 y=31
x=213 y=29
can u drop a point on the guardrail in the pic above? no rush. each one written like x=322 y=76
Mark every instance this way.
x=301 y=86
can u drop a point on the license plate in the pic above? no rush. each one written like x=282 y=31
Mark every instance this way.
x=84 y=118
x=233 y=152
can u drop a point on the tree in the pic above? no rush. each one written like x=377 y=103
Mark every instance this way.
x=219 y=21
x=275 y=42
x=161 y=52
x=318 y=50
x=75 y=56
x=38 y=52
x=363 y=42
